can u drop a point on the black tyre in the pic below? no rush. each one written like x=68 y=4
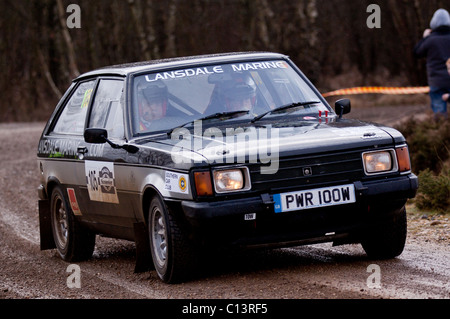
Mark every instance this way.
x=173 y=254
x=387 y=239
x=73 y=242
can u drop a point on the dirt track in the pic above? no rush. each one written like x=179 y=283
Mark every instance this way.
x=318 y=271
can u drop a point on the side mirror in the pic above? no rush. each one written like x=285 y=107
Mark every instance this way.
x=100 y=136
x=342 y=106
x=95 y=135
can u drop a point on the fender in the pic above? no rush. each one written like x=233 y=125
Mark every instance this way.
x=144 y=261
x=170 y=184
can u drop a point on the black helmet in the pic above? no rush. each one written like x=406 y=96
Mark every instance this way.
x=240 y=87
x=152 y=90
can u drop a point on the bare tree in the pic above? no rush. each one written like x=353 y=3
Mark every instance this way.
x=39 y=55
x=136 y=13
x=170 y=28
x=48 y=75
x=68 y=40
x=261 y=20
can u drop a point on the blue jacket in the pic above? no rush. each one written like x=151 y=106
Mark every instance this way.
x=436 y=49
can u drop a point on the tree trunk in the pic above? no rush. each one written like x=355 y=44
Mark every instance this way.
x=170 y=28
x=136 y=10
x=68 y=40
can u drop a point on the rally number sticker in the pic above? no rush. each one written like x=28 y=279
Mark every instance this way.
x=101 y=182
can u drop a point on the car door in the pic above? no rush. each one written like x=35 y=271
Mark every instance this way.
x=59 y=147
x=106 y=204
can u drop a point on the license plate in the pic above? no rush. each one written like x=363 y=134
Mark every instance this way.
x=313 y=198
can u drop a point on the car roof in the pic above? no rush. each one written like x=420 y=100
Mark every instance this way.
x=151 y=65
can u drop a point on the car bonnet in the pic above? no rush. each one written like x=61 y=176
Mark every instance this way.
x=250 y=144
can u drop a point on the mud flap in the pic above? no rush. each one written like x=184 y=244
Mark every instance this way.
x=45 y=226
x=143 y=255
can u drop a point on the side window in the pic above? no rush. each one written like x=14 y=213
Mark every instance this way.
x=73 y=117
x=107 y=110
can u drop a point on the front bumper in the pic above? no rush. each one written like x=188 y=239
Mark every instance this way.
x=253 y=220
x=372 y=192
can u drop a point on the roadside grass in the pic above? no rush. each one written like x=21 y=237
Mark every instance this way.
x=429 y=147
x=427 y=226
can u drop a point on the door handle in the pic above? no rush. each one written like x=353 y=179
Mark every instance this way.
x=82 y=149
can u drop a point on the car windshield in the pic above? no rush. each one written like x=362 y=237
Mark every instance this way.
x=165 y=100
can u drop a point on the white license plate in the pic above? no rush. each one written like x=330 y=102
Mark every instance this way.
x=313 y=198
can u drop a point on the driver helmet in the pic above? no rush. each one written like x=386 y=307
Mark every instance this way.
x=240 y=93
x=152 y=93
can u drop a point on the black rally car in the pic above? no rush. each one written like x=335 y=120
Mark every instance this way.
x=235 y=150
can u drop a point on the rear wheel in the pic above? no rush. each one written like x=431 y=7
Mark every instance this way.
x=172 y=252
x=73 y=242
x=387 y=239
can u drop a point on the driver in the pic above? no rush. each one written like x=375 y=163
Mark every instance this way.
x=152 y=103
x=240 y=94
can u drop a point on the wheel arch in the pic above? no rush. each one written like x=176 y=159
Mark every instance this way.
x=149 y=192
x=143 y=255
x=45 y=227
x=52 y=182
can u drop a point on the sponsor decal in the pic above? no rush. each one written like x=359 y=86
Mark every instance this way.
x=73 y=201
x=66 y=148
x=101 y=184
x=176 y=182
x=202 y=71
x=86 y=98
x=182 y=183
x=183 y=73
x=259 y=66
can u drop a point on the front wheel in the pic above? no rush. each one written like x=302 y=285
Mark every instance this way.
x=387 y=239
x=172 y=252
x=73 y=242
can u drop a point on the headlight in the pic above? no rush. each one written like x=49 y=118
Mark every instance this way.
x=380 y=162
x=231 y=180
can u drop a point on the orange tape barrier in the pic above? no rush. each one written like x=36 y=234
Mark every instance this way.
x=380 y=90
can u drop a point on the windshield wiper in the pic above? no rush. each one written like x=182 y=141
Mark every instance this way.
x=219 y=115
x=283 y=107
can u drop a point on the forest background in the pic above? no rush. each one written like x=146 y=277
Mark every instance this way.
x=330 y=40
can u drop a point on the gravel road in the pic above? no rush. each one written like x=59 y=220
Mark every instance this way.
x=313 y=272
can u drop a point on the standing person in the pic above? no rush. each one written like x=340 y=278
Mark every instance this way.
x=435 y=47
x=446 y=96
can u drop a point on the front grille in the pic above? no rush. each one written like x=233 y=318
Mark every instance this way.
x=325 y=169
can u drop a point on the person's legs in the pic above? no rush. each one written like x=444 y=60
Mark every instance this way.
x=438 y=105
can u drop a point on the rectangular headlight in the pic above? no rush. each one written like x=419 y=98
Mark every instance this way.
x=231 y=180
x=380 y=162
